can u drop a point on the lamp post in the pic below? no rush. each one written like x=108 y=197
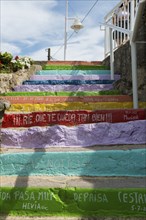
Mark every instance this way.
x=76 y=26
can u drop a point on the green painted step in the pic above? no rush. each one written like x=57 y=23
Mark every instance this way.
x=73 y=202
x=79 y=93
x=71 y=67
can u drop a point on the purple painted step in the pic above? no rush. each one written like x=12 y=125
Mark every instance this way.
x=73 y=77
x=56 y=88
x=84 y=135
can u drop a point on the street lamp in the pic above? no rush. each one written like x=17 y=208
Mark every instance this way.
x=76 y=26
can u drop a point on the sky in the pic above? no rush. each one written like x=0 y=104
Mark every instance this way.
x=30 y=27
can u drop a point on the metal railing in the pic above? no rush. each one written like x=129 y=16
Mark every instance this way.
x=123 y=17
x=121 y=24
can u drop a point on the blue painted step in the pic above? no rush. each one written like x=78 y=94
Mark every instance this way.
x=66 y=82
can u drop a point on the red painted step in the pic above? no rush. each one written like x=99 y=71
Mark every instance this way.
x=70 y=118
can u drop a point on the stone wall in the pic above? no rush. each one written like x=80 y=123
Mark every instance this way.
x=122 y=63
x=10 y=80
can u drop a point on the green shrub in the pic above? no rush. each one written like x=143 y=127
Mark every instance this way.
x=9 y=64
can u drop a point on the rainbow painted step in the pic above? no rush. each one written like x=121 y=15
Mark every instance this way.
x=84 y=135
x=75 y=67
x=71 y=118
x=73 y=63
x=58 y=99
x=62 y=93
x=74 y=77
x=67 y=82
x=90 y=106
x=72 y=72
x=73 y=201
x=56 y=88
x=85 y=163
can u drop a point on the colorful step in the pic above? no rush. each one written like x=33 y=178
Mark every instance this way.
x=82 y=163
x=75 y=67
x=71 y=118
x=74 y=77
x=61 y=93
x=73 y=63
x=73 y=72
x=67 y=82
x=91 y=106
x=58 y=99
x=84 y=135
x=73 y=202
x=57 y=88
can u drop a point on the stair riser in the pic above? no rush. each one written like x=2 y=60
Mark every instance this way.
x=85 y=135
x=74 y=202
x=67 y=82
x=89 y=163
x=92 y=63
x=59 y=99
x=72 y=72
x=71 y=118
x=56 y=88
x=63 y=93
x=74 y=77
x=23 y=108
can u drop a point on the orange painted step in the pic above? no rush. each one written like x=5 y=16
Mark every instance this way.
x=60 y=99
x=75 y=63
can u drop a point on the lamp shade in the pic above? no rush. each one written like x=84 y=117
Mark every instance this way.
x=77 y=25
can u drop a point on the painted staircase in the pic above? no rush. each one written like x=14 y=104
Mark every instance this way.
x=72 y=147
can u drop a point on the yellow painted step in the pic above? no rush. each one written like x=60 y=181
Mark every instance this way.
x=72 y=106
